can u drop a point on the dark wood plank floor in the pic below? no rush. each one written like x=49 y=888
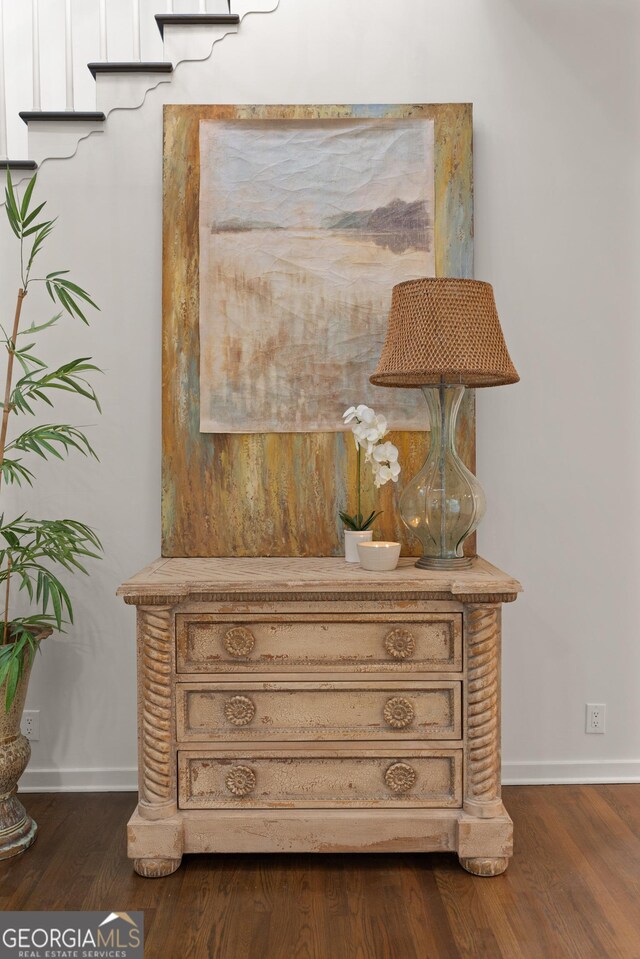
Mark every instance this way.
x=572 y=890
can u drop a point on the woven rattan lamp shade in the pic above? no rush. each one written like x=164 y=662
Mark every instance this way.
x=444 y=330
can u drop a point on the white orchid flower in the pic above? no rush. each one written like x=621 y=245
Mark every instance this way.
x=359 y=434
x=368 y=428
x=361 y=413
x=385 y=464
x=386 y=453
x=365 y=413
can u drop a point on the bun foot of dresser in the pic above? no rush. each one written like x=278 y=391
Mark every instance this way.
x=484 y=867
x=155 y=845
x=156 y=868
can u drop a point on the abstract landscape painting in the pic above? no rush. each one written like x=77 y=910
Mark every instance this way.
x=278 y=493
x=305 y=226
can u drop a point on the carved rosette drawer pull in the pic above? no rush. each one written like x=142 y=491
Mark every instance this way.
x=398 y=712
x=400 y=643
x=239 y=642
x=400 y=777
x=239 y=710
x=241 y=781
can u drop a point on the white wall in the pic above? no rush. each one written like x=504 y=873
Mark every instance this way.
x=555 y=87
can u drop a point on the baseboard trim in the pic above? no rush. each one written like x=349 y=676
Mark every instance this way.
x=567 y=771
x=79 y=780
x=513 y=774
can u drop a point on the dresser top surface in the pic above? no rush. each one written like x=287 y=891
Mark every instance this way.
x=184 y=578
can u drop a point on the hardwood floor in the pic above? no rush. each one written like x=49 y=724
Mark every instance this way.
x=572 y=890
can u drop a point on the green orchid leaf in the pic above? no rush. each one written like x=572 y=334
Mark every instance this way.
x=351 y=522
x=371 y=520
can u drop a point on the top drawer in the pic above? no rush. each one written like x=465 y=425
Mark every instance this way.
x=210 y=643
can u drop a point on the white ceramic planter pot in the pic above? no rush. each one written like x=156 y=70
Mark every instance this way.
x=351 y=539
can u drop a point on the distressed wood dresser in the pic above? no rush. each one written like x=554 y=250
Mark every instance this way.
x=309 y=705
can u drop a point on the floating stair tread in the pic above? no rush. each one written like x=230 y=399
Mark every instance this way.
x=135 y=66
x=30 y=116
x=18 y=165
x=195 y=19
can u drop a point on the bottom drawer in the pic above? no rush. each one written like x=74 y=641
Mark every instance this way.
x=213 y=779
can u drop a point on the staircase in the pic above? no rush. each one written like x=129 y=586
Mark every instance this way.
x=64 y=106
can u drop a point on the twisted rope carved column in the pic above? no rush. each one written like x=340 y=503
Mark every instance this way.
x=482 y=774
x=157 y=785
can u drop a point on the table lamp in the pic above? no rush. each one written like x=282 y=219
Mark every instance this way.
x=443 y=335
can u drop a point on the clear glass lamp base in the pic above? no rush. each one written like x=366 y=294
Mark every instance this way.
x=438 y=562
x=444 y=503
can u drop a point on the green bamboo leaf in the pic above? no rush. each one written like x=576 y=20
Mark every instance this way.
x=68 y=301
x=26 y=584
x=11 y=683
x=23 y=363
x=13 y=472
x=45 y=594
x=44 y=445
x=32 y=216
x=10 y=537
x=12 y=206
x=35 y=229
x=11 y=217
x=77 y=310
x=42 y=326
x=43 y=230
x=31 y=358
x=77 y=564
x=4 y=663
x=79 y=292
x=62 y=297
x=27 y=196
x=57 y=604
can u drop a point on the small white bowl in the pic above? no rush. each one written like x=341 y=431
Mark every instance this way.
x=378 y=555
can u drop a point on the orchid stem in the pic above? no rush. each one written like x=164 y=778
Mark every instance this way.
x=359 y=491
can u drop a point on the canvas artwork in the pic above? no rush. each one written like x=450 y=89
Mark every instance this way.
x=285 y=228
x=305 y=225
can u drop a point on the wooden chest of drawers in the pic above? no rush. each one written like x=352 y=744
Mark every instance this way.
x=308 y=705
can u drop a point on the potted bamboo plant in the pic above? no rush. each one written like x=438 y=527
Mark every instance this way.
x=33 y=552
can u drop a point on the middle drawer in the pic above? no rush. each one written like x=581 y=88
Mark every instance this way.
x=317 y=711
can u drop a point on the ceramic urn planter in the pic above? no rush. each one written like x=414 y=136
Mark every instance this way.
x=17 y=829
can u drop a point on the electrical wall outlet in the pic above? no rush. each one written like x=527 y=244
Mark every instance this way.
x=596 y=715
x=31 y=724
